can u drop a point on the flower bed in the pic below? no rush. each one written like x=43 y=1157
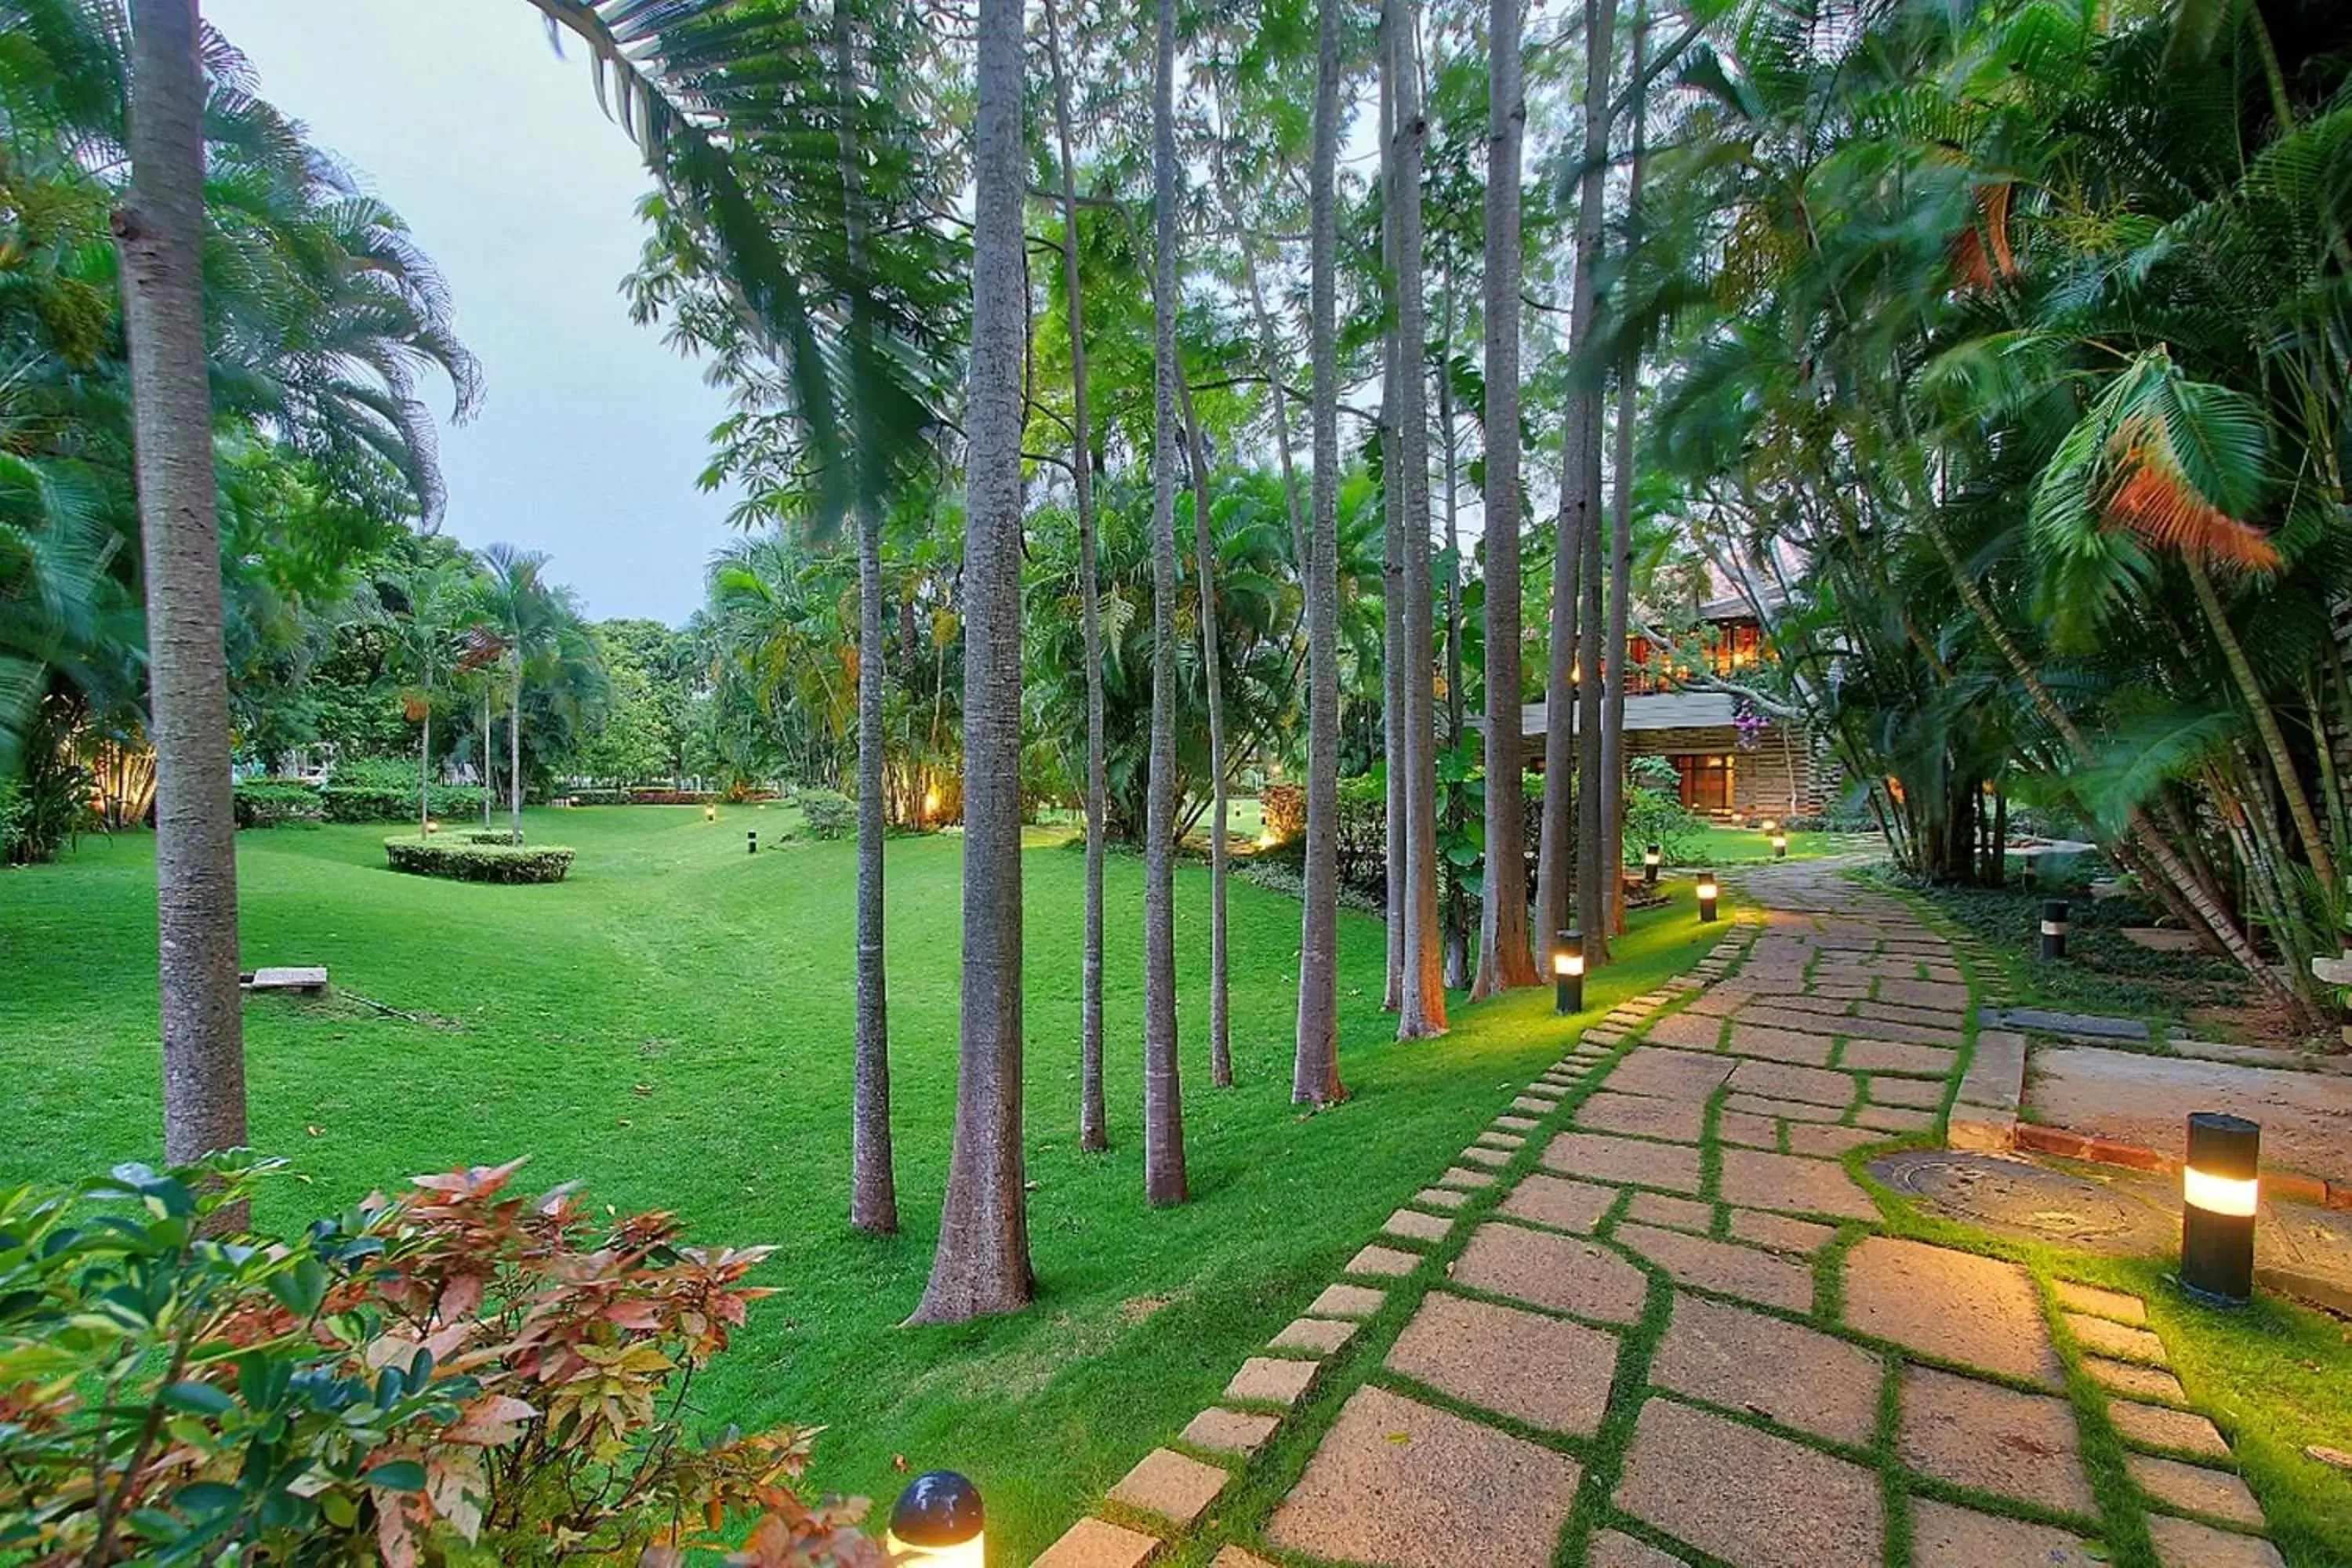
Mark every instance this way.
x=464 y=861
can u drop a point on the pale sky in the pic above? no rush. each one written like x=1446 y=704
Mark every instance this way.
x=590 y=432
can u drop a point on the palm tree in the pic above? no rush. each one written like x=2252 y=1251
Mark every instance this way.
x=516 y=599
x=982 y=1263
x=429 y=592
x=1612 y=846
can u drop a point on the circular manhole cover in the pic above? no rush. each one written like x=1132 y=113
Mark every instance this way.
x=2024 y=1199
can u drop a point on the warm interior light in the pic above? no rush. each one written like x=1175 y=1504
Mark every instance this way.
x=1559 y=963
x=1706 y=890
x=972 y=1554
x=1651 y=857
x=2218 y=1195
x=1571 y=963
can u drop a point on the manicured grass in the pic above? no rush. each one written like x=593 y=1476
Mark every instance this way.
x=1718 y=845
x=673 y=1024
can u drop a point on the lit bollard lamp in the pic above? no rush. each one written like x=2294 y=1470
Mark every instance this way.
x=1652 y=858
x=938 y=1523
x=1781 y=845
x=2218 y=1192
x=750 y=841
x=1568 y=973
x=710 y=812
x=2053 y=929
x=2030 y=870
x=1708 y=894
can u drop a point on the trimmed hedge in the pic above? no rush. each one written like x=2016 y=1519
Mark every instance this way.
x=460 y=857
x=268 y=803
x=829 y=814
x=372 y=803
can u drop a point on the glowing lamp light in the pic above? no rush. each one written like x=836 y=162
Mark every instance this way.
x=938 y=1523
x=431 y=825
x=930 y=802
x=1568 y=973
x=710 y=812
x=1266 y=840
x=1769 y=825
x=1708 y=894
x=1652 y=858
x=2053 y=929
x=1779 y=846
x=2220 y=1192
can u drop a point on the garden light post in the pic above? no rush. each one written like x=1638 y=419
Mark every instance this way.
x=2053 y=929
x=2029 y=871
x=1779 y=845
x=1567 y=973
x=750 y=841
x=710 y=811
x=1652 y=858
x=2218 y=1191
x=1708 y=893
x=938 y=1523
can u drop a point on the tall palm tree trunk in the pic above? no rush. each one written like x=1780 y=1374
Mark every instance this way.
x=1457 y=941
x=1315 y=1067
x=982 y=1263
x=1556 y=846
x=1204 y=554
x=1503 y=950
x=425 y=769
x=160 y=232
x=489 y=746
x=1163 y=1105
x=514 y=748
x=1423 y=1012
x=1621 y=565
x=1094 y=1126
x=1393 y=762
x=1591 y=913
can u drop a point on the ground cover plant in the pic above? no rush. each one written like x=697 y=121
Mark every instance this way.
x=673 y=1024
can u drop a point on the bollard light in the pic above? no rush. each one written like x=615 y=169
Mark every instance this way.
x=1567 y=973
x=2053 y=929
x=1707 y=892
x=1769 y=825
x=1779 y=846
x=939 y=1523
x=710 y=811
x=1652 y=858
x=2029 y=872
x=2219 y=1191
x=751 y=841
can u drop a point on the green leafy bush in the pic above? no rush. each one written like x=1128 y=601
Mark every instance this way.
x=370 y=803
x=1655 y=817
x=461 y=1377
x=829 y=815
x=374 y=772
x=458 y=857
x=15 y=811
x=270 y=802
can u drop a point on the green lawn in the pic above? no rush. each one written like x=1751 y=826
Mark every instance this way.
x=1716 y=844
x=673 y=1024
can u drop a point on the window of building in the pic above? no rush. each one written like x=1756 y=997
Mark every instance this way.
x=1705 y=781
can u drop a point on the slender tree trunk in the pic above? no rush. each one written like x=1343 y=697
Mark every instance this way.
x=424 y=770
x=1221 y=1055
x=514 y=749
x=1422 y=1010
x=1395 y=768
x=1591 y=912
x=1163 y=1105
x=1621 y=565
x=160 y=234
x=1503 y=948
x=1555 y=848
x=1457 y=940
x=1315 y=1069
x=982 y=1263
x=1094 y=1125
x=489 y=746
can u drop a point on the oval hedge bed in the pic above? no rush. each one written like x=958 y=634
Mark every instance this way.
x=466 y=859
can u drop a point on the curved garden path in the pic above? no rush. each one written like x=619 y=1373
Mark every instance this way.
x=1650 y=1316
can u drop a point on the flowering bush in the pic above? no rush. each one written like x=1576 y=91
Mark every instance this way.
x=459 y=1378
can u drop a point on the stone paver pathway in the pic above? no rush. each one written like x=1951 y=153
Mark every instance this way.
x=1648 y=1319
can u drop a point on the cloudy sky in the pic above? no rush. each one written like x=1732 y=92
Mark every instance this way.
x=592 y=432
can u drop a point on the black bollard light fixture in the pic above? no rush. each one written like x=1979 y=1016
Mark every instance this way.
x=2029 y=871
x=1780 y=845
x=2053 y=929
x=1568 y=973
x=1652 y=858
x=710 y=811
x=2219 y=1192
x=1708 y=893
x=750 y=841
x=939 y=1523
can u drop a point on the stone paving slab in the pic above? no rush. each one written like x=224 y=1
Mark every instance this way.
x=1945 y=1536
x=2192 y=1488
x=1672 y=1075
x=2098 y=1302
x=1546 y=1372
x=1745 y=1127
x=1615 y=1548
x=1994 y=1439
x=1768 y=1502
x=1823 y=1142
x=1224 y=1431
x=1272 y=1380
x=2161 y=1426
x=1754 y=1179
x=1955 y=1306
x=1234 y=1557
x=1784 y=1081
x=1679 y=1121
x=1382 y=1262
x=1559 y=1201
x=1441 y=1197
x=1683 y=1214
x=1347 y=1301
x=1097 y=1544
x=1894 y=1119
x=1417 y=1225
x=1397 y=1484
x=2114 y=1339
x=1779 y=1045
x=1696 y=1030
x=1560 y=1272
x=2139 y=1382
x=1479 y=1154
x=1767 y=1366
x=2185 y=1544
x=1789 y=1110
x=1176 y=1487
x=1781 y=1232
x=1463 y=1176
x=1894 y=1056
x=1317 y=1336
x=1724 y=1266
x=1919 y=1093
x=1668 y=1165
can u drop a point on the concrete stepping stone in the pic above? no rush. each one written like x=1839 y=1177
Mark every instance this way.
x=1636 y=1163
x=1557 y=1201
x=1603 y=1036
x=1822 y=1140
x=1671 y=1075
x=1954 y=1306
x=1696 y=1030
x=1945 y=1536
x=1382 y=1262
x=2093 y=1301
x=1542 y=1091
x=1720 y=1000
x=1176 y=1487
x=1909 y=1024
x=1347 y=1301
x=1894 y=1056
x=1098 y=1543
x=1796 y=1376
x=1272 y=1380
x=1724 y=1267
x=1784 y=1081
x=1994 y=1439
x=1480 y=1154
x=1684 y=1213
x=1680 y=1121
x=1791 y=1110
x=2185 y=1544
x=1463 y=1176
x=1418 y=1226
x=1781 y=1232
x=2161 y=1426
x=1919 y=1093
x=1741 y=1127
x=1615 y=1548
x=1827 y=1006
x=1755 y=1179
x=1894 y=1119
x=2108 y=1339
x=1925 y=994
x=1401 y=1485
x=1493 y=1140
x=1317 y=1336
x=1748 y=1497
x=1441 y=1197
x=1234 y=1557
x=2193 y=1488
x=1560 y=1272
x=1546 y=1372
x=2139 y=1382
x=1516 y=1123
x=1533 y=1104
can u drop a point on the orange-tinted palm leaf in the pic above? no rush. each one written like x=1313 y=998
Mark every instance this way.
x=2153 y=500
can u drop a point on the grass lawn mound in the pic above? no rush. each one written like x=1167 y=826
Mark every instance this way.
x=479 y=857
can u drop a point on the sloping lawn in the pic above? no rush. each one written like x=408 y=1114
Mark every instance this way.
x=673 y=1024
